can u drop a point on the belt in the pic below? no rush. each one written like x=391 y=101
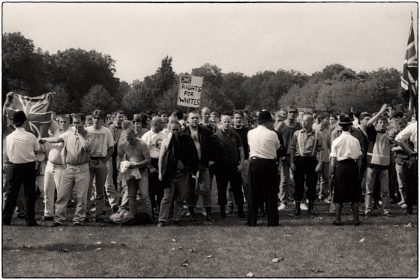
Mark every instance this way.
x=54 y=163
x=26 y=163
x=253 y=158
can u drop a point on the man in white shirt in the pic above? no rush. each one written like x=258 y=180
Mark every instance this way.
x=101 y=152
x=346 y=155
x=153 y=139
x=21 y=147
x=263 y=144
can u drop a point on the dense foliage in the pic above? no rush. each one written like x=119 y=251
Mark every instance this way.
x=84 y=80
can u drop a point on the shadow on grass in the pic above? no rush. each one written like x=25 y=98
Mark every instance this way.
x=66 y=247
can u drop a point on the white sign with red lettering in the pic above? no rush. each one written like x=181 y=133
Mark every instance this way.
x=190 y=88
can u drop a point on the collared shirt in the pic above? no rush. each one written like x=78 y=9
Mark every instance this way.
x=263 y=143
x=409 y=132
x=306 y=143
x=346 y=146
x=102 y=140
x=21 y=146
x=75 y=154
x=363 y=141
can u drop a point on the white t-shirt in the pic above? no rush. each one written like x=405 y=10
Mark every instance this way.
x=154 y=141
x=102 y=140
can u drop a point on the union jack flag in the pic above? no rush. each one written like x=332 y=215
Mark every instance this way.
x=410 y=68
x=36 y=110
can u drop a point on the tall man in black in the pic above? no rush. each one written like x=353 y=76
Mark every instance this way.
x=263 y=175
x=21 y=147
x=229 y=162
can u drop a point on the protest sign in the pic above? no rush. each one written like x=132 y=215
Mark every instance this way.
x=189 y=94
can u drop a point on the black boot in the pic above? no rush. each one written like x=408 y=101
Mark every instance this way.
x=209 y=216
x=222 y=211
x=311 y=208
x=297 y=208
x=192 y=212
x=241 y=213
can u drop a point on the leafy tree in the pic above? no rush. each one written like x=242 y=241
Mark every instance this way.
x=61 y=102
x=97 y=98
x=24 y=68
x=80 y=70
x=137 y=100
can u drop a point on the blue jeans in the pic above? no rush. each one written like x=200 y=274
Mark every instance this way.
x=177 y=187
x=98 y=170
x=371 y=175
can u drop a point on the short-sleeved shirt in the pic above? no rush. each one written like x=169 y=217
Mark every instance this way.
x=154 y=142
x=243 y=133
x=74 y=151
x=263 y=143
x=409 y=132
x=55 y=150
x=21 y=146
x=102 y=140
x=345 y=147
x=287 y=132
x=306 y=143
x=229 y=142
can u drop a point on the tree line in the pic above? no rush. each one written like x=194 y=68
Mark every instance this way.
x=84 y=80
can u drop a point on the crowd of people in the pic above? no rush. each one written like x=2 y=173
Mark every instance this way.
x=157 y=165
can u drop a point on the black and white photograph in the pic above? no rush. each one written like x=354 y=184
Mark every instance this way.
x=209 y=139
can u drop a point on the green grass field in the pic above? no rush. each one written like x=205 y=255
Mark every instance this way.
x=304 y=247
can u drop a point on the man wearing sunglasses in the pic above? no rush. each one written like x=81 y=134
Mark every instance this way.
x=286 y=130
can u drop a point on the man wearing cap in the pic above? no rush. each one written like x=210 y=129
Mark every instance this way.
x=345 y=152
x=263 y=144
x=21 y=147
x=75 y=175
x=305 y=162
x=101 y=151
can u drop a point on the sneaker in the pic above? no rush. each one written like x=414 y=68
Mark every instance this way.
x=77 y=223
x=282 y=206
x=46 y=219
x=161 y=224
x=303 y=206
x=403 y=206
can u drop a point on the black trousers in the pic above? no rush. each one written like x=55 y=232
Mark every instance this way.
x=264 y=181
x=412 y=185
x=21 y=174
x=155 y=186
x=305 y=171
x=231 y=175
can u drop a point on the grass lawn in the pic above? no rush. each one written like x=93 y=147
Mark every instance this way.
x=304 y=246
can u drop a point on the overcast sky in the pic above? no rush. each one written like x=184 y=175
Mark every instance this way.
x=236 y=37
